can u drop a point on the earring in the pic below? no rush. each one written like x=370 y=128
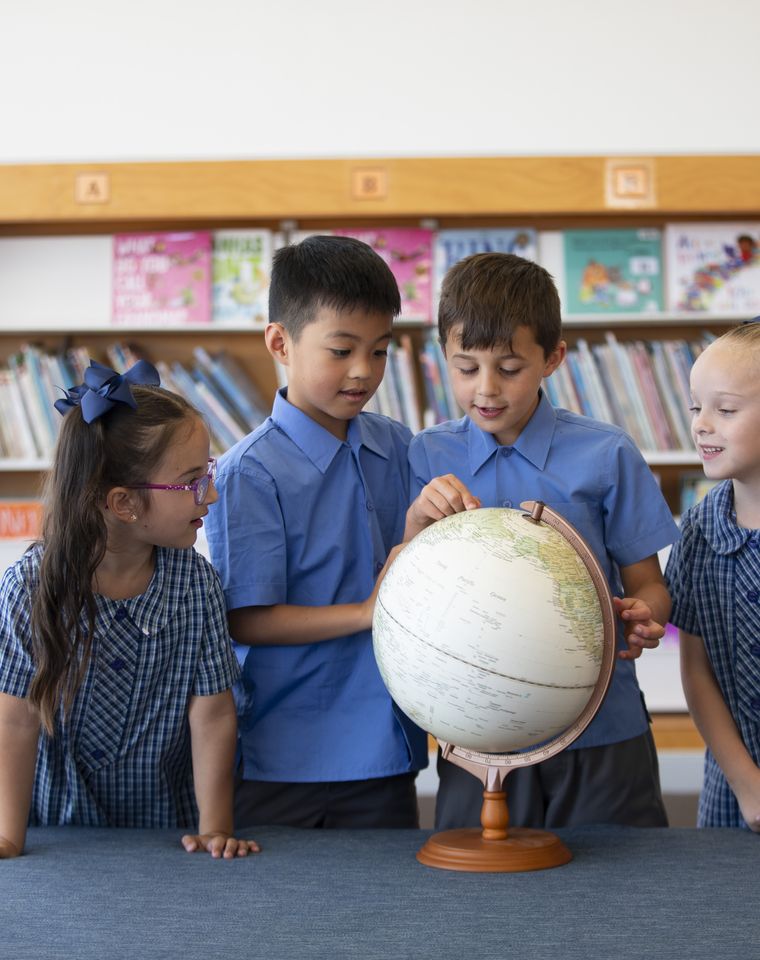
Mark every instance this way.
x=133 y=517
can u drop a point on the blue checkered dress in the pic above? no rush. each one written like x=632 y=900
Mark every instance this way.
x=122 y=758
x=714 y=577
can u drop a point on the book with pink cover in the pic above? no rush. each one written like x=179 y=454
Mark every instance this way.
x=409 y=253
x=162 y=278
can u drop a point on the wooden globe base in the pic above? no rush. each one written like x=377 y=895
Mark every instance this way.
x=495 y=848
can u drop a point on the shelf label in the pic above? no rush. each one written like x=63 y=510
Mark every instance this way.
x=629 y=184
x=369 y=183
x=92 y=188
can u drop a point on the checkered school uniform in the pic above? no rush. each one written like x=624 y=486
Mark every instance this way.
x=122 y=756
x=714 y=577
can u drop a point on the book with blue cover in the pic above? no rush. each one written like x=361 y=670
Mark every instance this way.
x=451 y=246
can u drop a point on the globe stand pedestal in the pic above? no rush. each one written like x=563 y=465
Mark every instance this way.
x=497 y=848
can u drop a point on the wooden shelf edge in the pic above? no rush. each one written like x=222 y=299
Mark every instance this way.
x=270 y=190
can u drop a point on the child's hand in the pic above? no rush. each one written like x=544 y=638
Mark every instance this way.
x=640 y=629
x=219 y=845
x=748 y=795
x=442 y=497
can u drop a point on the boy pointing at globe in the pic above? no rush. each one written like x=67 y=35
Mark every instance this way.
x=500 y=328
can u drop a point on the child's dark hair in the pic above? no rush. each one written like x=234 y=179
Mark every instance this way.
x=326 y=271
x=120 y=448
x=491 y=295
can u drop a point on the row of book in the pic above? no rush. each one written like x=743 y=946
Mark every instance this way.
x=203 y=277
x=642 y=386
x=215 y=384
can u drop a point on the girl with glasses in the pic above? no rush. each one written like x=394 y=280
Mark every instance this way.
x=115 y=660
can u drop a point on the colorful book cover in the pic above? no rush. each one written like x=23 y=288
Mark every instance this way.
x=409 y=253
x=162 y=278
x=20 y=519
x=451 y=246
x=241 y=268
x=714 y=267
x=612 y=271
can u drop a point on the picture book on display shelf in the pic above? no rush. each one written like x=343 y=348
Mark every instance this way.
x=714 y=267
x=408 y=251
x=612 y=271
x=451 y=246
x=162 y=278
x=241 y=268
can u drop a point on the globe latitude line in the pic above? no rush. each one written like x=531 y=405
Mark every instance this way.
x=477 y=666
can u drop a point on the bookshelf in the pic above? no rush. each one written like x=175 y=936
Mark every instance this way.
x=548 y=193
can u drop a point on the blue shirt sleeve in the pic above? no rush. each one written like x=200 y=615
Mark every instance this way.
x=637 y=520
x=16 y=667
x=678 y=576
x=217 y=664
x=246 y=538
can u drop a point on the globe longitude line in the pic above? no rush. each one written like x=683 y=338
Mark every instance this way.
x=467 y=663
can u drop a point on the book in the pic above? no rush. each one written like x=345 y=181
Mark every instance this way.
x=241 y=269
x=612 y=271
x=20 y=519
x=693 y=487
x=713 y=267
x=408 y=252
x=451 y=246
x=162 y=278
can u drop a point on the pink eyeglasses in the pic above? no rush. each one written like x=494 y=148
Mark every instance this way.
x=199 y=487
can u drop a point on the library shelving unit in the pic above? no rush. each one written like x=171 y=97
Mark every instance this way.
x=548 y=193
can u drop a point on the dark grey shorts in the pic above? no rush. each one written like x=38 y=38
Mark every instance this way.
x=617 y=783
x=386 y=802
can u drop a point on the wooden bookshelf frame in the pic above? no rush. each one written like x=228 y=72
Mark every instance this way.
x=267 y=191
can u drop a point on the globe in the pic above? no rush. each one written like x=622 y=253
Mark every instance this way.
x=488 y=630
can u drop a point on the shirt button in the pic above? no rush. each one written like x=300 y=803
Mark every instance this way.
x=118 y=664
x=753 y=596
x=755 y=649
x=98 y=754
x=121 y=613
x=370 y=507
x=506 y=451
x=378 y=566
x=506 y=503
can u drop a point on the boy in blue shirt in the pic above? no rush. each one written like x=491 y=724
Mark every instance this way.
x=500 y=329
x=310 y=505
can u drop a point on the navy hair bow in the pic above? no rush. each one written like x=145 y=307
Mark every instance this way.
x=103 y=388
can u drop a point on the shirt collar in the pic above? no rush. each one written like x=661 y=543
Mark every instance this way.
x=313 y=440
x=717 y=520
x=533 y=443
x=152 y=610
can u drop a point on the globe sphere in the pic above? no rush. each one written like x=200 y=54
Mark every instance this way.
x=488 y=631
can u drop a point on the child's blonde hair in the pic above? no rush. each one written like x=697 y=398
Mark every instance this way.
x=744 y=337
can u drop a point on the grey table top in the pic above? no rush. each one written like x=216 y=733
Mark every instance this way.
x=92 y=893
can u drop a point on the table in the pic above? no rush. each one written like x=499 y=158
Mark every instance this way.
x=82 y=893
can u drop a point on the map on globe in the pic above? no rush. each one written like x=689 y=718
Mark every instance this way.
x=488 y=631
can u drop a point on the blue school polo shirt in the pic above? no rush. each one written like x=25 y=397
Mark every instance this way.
x=592 y=474
x=304 y=518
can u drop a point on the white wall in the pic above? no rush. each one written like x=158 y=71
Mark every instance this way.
x=90 y=80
